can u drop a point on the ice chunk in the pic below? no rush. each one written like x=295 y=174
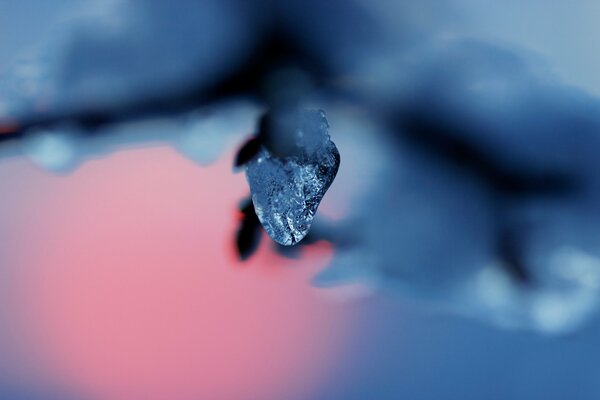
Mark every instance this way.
x=288 y=186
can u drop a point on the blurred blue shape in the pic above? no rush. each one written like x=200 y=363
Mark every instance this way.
x=491 y=208
x=54 y=150
x=488 y=200
x=208 y=132
x=140 y=49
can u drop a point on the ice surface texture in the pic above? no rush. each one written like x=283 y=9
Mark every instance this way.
x=288 y=180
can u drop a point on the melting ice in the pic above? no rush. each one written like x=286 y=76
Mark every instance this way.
x=288 y=179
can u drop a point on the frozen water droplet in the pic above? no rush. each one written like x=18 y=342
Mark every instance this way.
x=287 y=188
x=53 y=150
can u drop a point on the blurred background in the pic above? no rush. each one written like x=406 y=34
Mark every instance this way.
x=455 y=256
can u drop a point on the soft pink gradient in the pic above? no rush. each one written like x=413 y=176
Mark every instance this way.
x=126 y=286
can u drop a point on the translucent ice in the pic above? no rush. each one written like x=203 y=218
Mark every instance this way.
x=291 y=172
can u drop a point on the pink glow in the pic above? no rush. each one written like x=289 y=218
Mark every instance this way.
x=128 y=287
